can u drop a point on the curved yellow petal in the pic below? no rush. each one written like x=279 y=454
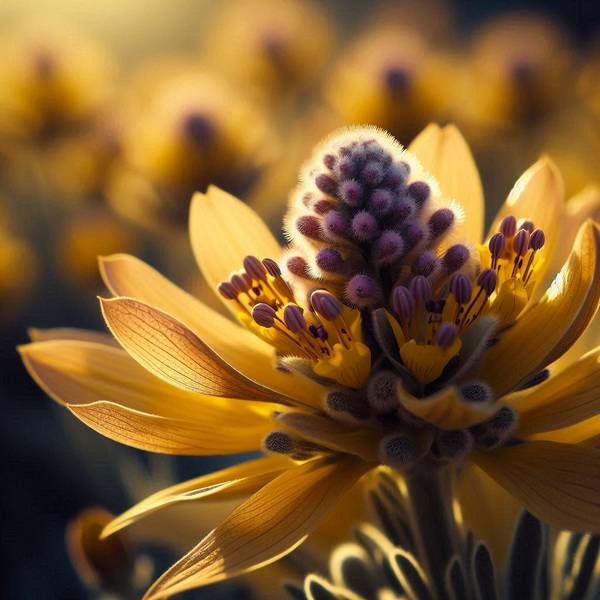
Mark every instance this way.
x=71 y=333
x=551 y=326
x=126 y=275
x=173 y=353
x=447 y=409
x=584 y=433
x=538 y=195
x=488 y=510
x=557 y=483
x=109 y=391
x=233 y=482
x=269 y=525
x=566 y=398
x=224 y=230
x=445 y=154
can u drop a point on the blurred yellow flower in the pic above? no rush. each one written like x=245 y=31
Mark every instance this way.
x=181 y=136
x=390 y=332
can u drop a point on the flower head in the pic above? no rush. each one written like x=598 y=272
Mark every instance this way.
x=403 y=339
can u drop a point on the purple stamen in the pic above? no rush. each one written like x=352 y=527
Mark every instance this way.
x=508 y=226
x=402 y=302
x=413 y=234
x=293 y=318
x=240 y=284
x=323 y=206
x=381 y=201
x=487 y=280
x=336 y=224
x=227 y=290
x=526 y=225
x=521 y=242
x=298 y=266
x=272 y=267
x=496 y=245
x=460 y=287
x=326 y=304
x=537 y=240
x=255 y=268
x=263 y=314
x=420 y=288
x=373 y=173
x=445 y=335
x=329 y=160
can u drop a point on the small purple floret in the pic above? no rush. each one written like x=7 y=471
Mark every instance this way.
x=326 y=183
x=293 y=318
x=326 y=304
x=362 y=290
x=508 y=226
x=440 y=221
x=425 y=264
x=350 y=192
x=264 y=315
x=460 y=287
x=329 y=260
x=487 y=280
x=388 y=247
x=364 y=226
x=309 y=226
x=381 y=201
x=402 y=302
x=456 y=257
x=419 y=191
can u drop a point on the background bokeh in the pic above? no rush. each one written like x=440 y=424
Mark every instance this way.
x=112 y=113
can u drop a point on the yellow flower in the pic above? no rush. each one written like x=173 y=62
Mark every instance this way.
x=391 y=332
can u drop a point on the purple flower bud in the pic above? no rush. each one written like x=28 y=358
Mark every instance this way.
x=381 y=201
x=255 y=268
x=329 y=160
x=460 y=287
x=476 y=391
x=240 y=284
x=413 y=234
x=496 y=244
x=263 y=314
x=402 y=302
x=272 y=267
x=381 y=392
x=373 y=173
x=521 y=242
x=401 y=210
x=362 y=291
x=293 y=318
x=397 y=174
x=326 y=304
x=336 y=224
x=345 y=168
x=298 y=266
x=364 y=226
x=278 y=442
x=329 y=260
x=323 y=206
x=420 y=288
x=326 y=183
x=537 y=240
x=487 y=280
x=425 y=264
x=398 y=451
x=440 y=221
x=309 y=227
x=508 y=226
x=350 y=192
x=227 y=290
x=388 y=247
x=445 y=335
x=419 y=191
x=526 y=225
x=456 y=256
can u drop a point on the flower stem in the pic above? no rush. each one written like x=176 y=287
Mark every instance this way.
x=430 y=494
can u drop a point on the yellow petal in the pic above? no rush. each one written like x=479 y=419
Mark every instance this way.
x=237 y=481
x=331 y=434
x=128 y=276
x=71 y=333
x=550 y=327
x=447 y=409
x=426 y=361
x=269 y=525
x=223 y=231
x=538 y=195
x=109 y=391
x=584 y=433
x=557 y=483
x=172 y=352
x=488 y=510
x=445 y=154
x=566 y=398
